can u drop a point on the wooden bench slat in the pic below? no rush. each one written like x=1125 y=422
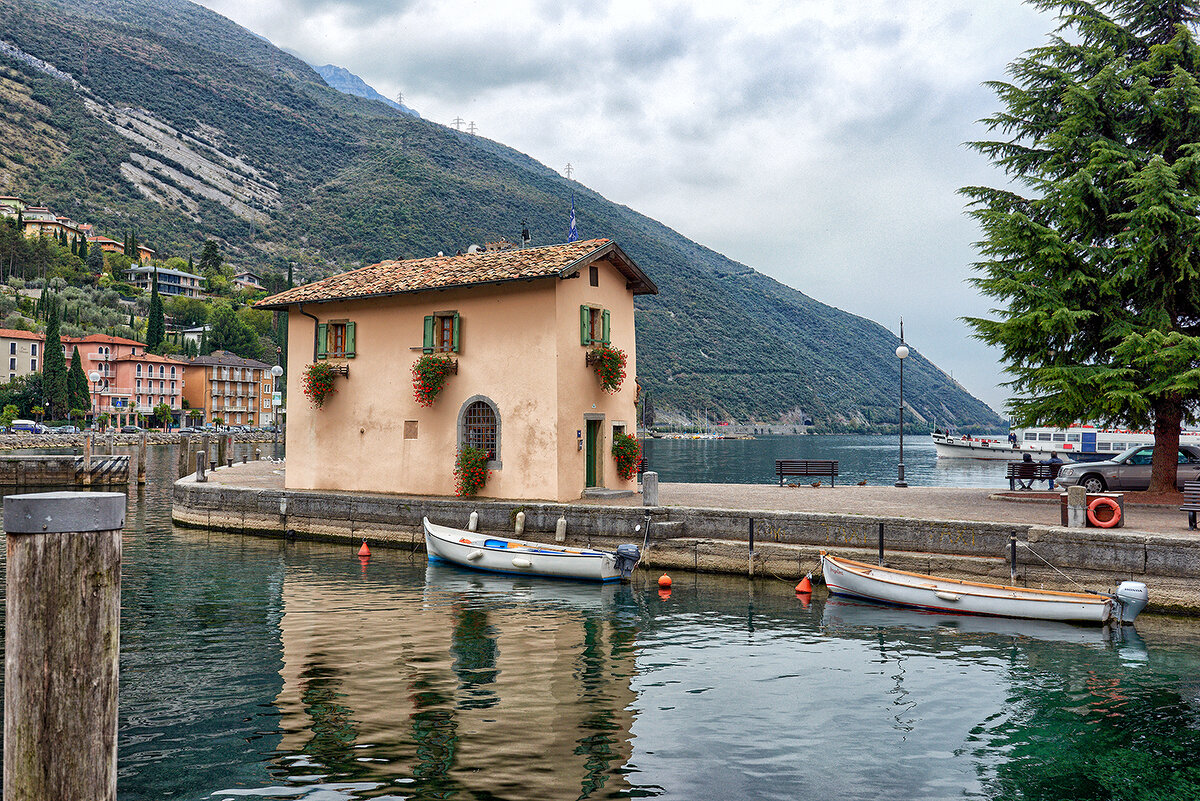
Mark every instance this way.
x=806 y=467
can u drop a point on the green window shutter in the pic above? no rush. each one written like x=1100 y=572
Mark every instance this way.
x=349 y=340
x=457 y=323
x=585 y=325
x=427 y=346
x=604 y=319
x=322 y=339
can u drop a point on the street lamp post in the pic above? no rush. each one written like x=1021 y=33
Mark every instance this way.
x=276 y=371
x=901 y=354
x=95 y=379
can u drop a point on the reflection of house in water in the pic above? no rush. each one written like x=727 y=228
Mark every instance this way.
x=454 y=692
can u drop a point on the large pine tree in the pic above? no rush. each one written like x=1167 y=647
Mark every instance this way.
x=54 y=366
x=1095 y=254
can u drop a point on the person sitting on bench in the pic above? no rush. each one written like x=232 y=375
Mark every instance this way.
x=1052 y=461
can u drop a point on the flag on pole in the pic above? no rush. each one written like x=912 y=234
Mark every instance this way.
x=573 y=233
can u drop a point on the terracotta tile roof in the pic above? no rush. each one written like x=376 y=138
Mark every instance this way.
x=16 y=333
x=104 y=339
x=150 y=357
x=224 y=358
x=443 y=272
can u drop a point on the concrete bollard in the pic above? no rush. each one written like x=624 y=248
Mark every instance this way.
x=650 y=489
x=520 y=526
x=257 y=454
x=560 y=529
x=200 y=459
x=141 y=472
x=62 y=644
x=1076 y=507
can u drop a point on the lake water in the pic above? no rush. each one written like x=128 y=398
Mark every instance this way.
x=260 y=669
x=861 y=457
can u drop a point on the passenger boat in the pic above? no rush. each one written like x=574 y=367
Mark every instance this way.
x=1079 y=443
x=502 y=555
x=888 y=585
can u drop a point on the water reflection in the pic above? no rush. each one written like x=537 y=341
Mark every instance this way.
x=418 y=686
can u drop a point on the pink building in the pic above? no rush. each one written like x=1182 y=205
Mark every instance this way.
x=130 y=381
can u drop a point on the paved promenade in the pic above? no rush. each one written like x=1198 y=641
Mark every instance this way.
x=917 y=503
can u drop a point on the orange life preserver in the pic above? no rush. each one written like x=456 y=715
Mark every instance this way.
x=1111 y=504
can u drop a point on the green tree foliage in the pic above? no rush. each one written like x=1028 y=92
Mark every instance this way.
x=1097 y=262
x=231 y=334
x=257 y=320
x=54 y=365
x=78 y=396
x=9 y=414
x=156 y=330
x=162 y=414
x=95 y=259
x=210 y=258
x=187 y=312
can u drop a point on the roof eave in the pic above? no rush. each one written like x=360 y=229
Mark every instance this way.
x=637 y=281
x=263 y=304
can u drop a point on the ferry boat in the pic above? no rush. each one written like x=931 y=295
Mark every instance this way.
x=1081 y=443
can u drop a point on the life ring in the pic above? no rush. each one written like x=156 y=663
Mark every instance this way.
x=1112 y=505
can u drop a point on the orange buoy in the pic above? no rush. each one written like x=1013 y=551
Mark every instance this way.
x=364 y=550
x=1104 y=512
x=664 y=580
x=805 y=585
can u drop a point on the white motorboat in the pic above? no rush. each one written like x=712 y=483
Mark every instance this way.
x=503 y=555
x=888 y=585
x=1080 y=443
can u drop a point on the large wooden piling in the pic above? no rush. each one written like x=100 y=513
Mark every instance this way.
x=141 y=473
x=186 y=460
x=62 y=642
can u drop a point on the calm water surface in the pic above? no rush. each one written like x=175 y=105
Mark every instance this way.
x=861 y=457
x=261 y=669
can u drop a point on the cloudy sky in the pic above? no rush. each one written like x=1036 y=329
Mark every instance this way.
x=819 y=142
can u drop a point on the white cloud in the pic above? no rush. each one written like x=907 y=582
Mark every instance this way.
x=820 y=143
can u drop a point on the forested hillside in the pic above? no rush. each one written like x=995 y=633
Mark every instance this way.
x=164 y=117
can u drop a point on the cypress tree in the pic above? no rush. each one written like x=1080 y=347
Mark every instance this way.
x=54 y=366
x=77 y=384
x=83 y=249
x=155 y=324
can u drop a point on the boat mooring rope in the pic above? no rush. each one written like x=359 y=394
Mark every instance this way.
x=1025 y=545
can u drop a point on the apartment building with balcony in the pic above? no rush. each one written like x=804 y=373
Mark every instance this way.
x=170 y=282
x=130 y=381
x=23 y=349
x=238 y=391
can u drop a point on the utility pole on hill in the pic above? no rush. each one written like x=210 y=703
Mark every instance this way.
x=570 y=170
x=458 y=123
x=471 y=128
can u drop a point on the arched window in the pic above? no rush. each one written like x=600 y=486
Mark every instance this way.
x=479 y=427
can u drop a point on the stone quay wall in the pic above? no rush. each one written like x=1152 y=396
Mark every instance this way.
x=786 y=544
x=103 y=440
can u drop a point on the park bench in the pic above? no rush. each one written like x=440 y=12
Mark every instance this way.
x=1191 y=501
x=1026 y=473
x=787 y=468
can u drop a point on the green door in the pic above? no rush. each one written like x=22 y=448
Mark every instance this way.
x=591 y=455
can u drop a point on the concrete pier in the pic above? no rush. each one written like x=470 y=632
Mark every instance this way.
x=927 y=530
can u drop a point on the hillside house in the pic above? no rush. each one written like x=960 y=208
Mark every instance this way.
x=131 y=381
x=23 y=349
x=518 y=324
x=170 y=282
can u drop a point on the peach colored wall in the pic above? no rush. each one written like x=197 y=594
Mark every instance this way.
x=579 y=388
x=519 y=347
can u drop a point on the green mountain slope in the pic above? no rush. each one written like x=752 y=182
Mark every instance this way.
x=178 y=123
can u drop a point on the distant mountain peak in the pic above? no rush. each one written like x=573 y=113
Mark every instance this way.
x=348 y=83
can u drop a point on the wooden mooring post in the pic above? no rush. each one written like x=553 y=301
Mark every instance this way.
x=185 y=455
x=62 y=643
x=87 y=461
x=141 y=473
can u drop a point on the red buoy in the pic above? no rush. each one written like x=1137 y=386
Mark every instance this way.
x=364 y=550
x=805 y=585
x=664 y=580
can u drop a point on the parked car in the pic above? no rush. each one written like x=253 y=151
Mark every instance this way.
x=64 y=430
x=185 y=430
x=1128 y=470
x=131 y=430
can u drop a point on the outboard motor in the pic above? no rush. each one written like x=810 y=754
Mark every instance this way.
x=1132 y=597
x=627 y=558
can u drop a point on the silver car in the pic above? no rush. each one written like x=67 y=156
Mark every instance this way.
x=1129 y=470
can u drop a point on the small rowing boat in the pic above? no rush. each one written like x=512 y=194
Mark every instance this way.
x=888 y=585
x=502 y=555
